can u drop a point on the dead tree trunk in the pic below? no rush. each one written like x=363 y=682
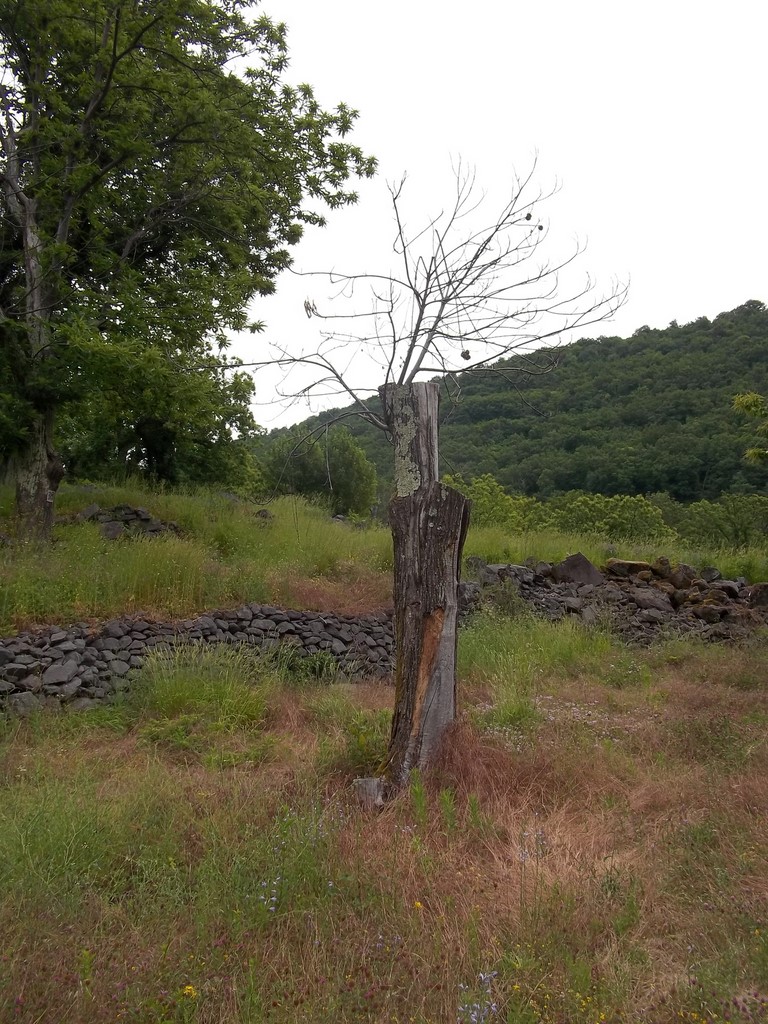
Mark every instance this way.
x=429 y=524
x=428 y=528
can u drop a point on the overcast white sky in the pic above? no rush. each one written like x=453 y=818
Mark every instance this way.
x=651 y=115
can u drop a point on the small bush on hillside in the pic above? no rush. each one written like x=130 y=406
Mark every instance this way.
x=617 y=517
x=491 y=505
x=332 y=468
x=734 y=519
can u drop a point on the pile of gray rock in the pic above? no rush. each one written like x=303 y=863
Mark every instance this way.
x=639 y=600
x=80 y=666
x=122 y=521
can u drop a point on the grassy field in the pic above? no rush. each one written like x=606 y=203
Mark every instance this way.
x=589 y=847
x=227 y=555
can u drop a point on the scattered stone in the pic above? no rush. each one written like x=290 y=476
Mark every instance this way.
x=90 y=512
x=121 y=521
x=646 y=597
x=682 y=576
x=641 y=601
x=69 y=690
x=708 y=612
x=651 y=614
x=710 y=574
x=22 y=704
x=111 y=531
x=114 y=630
x=84 y=704
x=33 y=684
x=589 y=615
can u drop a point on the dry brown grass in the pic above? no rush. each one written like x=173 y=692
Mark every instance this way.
x=351 y=590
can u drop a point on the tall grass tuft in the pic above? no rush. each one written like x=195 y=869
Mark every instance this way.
x=516 y=657
x=230 y=686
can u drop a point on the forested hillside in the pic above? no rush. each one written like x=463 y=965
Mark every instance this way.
x=615 y=416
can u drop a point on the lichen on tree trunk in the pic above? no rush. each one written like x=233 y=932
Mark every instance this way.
x=410 y=411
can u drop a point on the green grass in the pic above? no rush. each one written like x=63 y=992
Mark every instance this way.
x=530 y=651
x=227 y=556
x=193 y=854
x=231 y=685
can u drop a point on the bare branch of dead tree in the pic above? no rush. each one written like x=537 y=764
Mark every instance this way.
x=467 y=291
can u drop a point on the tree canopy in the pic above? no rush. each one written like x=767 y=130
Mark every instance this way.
x=155 y=170
x=756 y=406
x=165 y=420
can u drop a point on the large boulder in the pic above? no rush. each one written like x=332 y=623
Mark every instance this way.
x=577 y=569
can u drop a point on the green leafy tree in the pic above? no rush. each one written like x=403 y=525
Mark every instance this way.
x=491 y=505
x=150 y=185
x=736 y=520
x=333 y=468
x=165 y=422
x=756 y=406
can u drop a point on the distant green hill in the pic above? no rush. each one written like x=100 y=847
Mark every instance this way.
x=615 y=416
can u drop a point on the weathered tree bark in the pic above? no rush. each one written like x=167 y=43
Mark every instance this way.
x=38 y=471
x=36 y=467
x=429 y=528
x=429 y=525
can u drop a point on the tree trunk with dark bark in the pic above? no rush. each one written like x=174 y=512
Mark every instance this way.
x=36 y=468
x=428 y=528
x=38 y=471
x=429 y=525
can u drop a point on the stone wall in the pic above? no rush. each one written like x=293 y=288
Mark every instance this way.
x=78 y=665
